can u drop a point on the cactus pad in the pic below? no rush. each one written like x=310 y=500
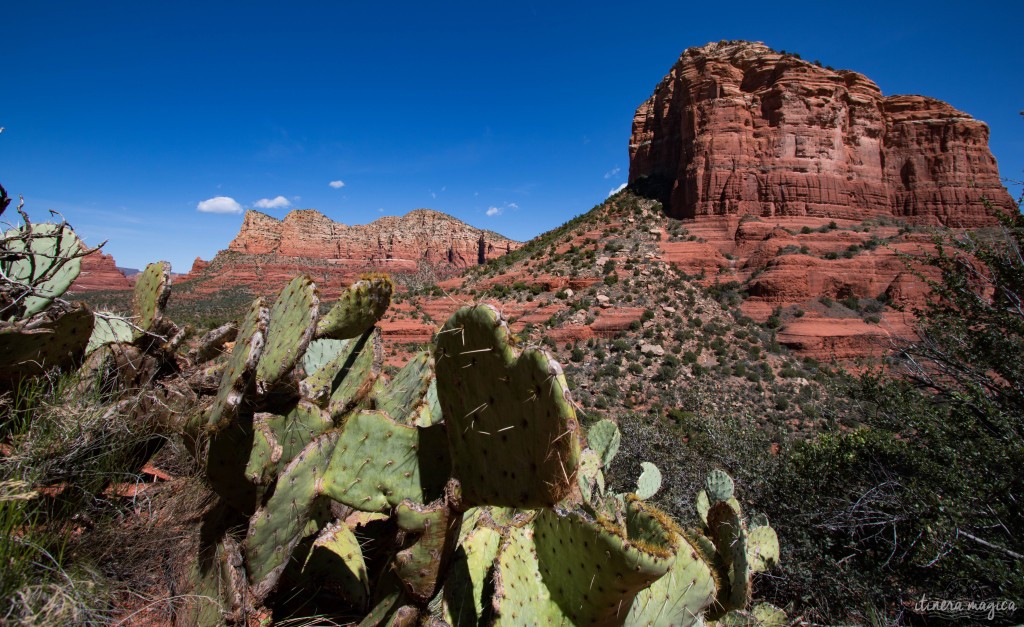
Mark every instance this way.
x=48 y=340
x=550 y=578
x=511 y=424
x=727 y=532
x=152 y=289
x=357 y=309
x=467 y=592
x=421 y=565
x=289 y=332
x=42 y=256
x=379 y=463
x=241 y=363
x=319 y=352
x=649 y=482
x=108 y=329
x=719 y=486
x=336 y=563
x=277 y=527
x=296 y=429
x=405 y=398
x=347 y=378
x=680 y=597
x=589 y=475
x=604 y=437
x=762 y=548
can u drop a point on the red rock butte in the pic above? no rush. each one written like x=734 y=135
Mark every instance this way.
x=308 y=241
x=739 y=129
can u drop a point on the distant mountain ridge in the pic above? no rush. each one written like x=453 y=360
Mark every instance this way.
x=268 y=251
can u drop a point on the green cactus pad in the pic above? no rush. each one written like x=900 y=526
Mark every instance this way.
x=702 y=505
x=265 y=455
x=109 y=329
x=40 y=256
x=421 y=565
x=589 y=475
x=762 y=548
x=649 y=482
x=52 y=339
x=289 y=332
x=768 y=615
x=554 y=577
x=762 y=615
x=727 y=531
x=357 y=310
x=319 y=352
x=298 y=427
x=228 y=465
x=467 y=592
x=336 y=562
x=719 y=486
x=277 y=527
x=680 y=597
x=152 y=289
x=404 y=398
x=343 y=382
x=379 y=463
x=241 y=364
x=604 y=437
x=511 y=424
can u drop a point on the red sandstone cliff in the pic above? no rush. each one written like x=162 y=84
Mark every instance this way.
x=268 y=251
x=739 y=129
x=420 y=235
x=100 y=272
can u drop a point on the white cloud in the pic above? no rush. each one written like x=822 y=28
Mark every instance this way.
x=512 y=205
x=272 y=203
x=337 y=184
x=219 y=204
x=612 y=172
x=617 y=190
x=494 y=211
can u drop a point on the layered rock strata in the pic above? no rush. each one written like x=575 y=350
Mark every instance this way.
x=736 y=129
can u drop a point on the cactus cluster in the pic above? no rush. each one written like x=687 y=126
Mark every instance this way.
x=458 y=491
x=38 y=264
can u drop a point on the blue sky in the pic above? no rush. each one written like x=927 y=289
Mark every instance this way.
x=125 y=116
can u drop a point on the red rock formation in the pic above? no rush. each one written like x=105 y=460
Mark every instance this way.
x=267 y=251
x=99 y=272
x=739 y=129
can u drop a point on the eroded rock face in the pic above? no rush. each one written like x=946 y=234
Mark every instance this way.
x=267 y=251
x=100 y=272
x=739 y=129
x=420 y=235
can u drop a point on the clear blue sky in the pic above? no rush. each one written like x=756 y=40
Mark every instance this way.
x=125 y=116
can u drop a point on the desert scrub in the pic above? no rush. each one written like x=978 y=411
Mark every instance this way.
x=63 y=450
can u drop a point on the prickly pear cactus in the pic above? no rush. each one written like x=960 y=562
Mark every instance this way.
x=379 y=463
x=241 y=366
x=548 y=576
x=290 y=330
x=680 y=597
x=357 y=309
x=336 y=563
x=109 y=329
x=512 y=428
x=406 y=398
x=152 y=289
x=43 y=257
x=50 y=339
x=604 y=437
x=649 y=482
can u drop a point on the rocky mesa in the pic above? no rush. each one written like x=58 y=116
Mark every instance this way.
x=308 y=241
x=807 y=187
x=737 y=128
